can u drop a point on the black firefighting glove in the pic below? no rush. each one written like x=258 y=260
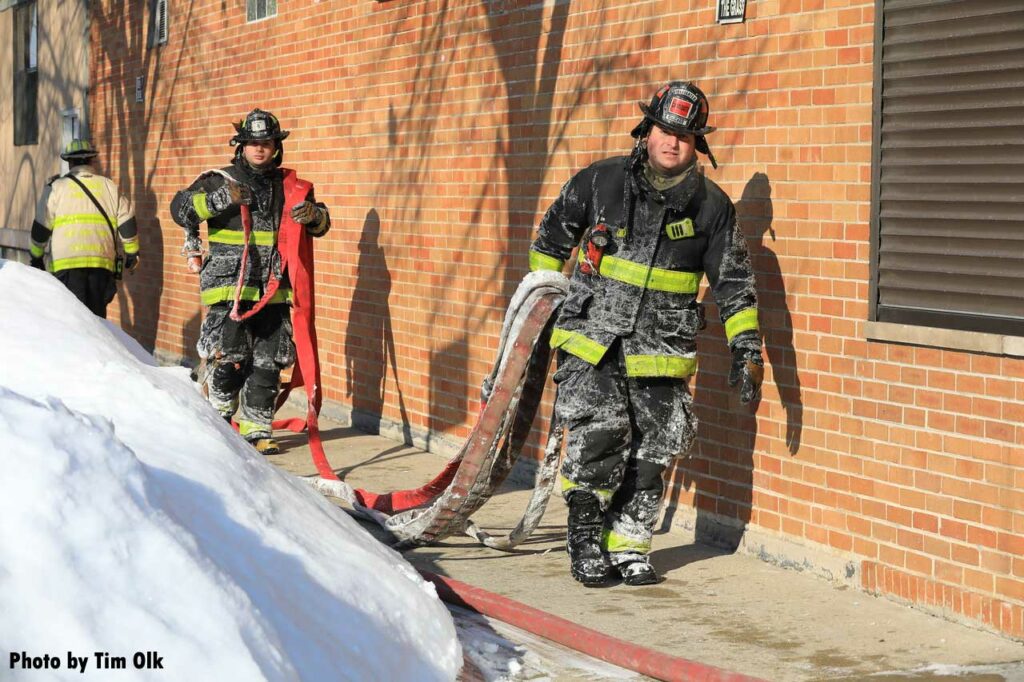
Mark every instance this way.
x=229 y=194
x=747 y=368
x=307 y=213
x=131 y=261
x=37 y=262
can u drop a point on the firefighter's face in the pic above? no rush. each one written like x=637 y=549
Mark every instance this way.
x=259 y=152
x=670 y=153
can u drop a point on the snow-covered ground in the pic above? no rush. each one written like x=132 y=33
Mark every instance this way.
x=134 y=520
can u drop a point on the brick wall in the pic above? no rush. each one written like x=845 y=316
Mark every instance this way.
x=61 y=52
x=438 y=132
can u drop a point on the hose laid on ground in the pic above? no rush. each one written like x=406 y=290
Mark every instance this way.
x=512 y=395
x=596 y=644
x=543 y=483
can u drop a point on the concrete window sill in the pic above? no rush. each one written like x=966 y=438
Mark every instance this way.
x=951 y=339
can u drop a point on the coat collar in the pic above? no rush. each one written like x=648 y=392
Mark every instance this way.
x=677 y=197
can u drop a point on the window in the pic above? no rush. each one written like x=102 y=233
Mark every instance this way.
x=948 y=178
x=71 y=129
x=157 y=22
x=26 y=74
x=260 y=9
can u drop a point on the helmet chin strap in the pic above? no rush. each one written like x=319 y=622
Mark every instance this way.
x=711 y=158
x=639 y=154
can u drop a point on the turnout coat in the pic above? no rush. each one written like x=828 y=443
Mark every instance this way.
x=644 y=288
x=220 y=272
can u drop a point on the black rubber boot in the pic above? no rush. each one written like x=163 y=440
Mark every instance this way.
x=587 y=563
x=636 y=569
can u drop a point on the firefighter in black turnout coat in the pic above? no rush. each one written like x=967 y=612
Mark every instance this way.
x=649 y=226
x=245 y=357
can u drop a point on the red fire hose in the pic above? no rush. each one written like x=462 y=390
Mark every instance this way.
x=296 y=248
x=591 y=642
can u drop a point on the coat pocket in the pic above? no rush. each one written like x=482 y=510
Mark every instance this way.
x=221 y=266
x=680 y=323
x=216 y=269
x=578 y=396
x=285 y=355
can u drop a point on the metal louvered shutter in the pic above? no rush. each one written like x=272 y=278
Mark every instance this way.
x=949 y=165
x=157 y=22
x=161 y=22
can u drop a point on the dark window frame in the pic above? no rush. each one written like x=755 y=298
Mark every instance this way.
x=25 y=52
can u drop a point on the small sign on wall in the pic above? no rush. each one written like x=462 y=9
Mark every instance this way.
x=730 y=11
x=139 y=88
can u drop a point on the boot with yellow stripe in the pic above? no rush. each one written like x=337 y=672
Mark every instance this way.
x=265 y=446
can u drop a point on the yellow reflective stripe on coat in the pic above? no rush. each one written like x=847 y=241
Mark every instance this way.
x=604 y=495
x=79 y=219
x=226 y=235
x=660 y=366
x=542 y=261
x=658 y=279
x=744 y=320
x=83 y=262
x=202 y=209
x=221 y=294
x=578 y=345
x=616 y=542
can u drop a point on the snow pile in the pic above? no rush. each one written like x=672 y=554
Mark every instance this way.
x=133 y=519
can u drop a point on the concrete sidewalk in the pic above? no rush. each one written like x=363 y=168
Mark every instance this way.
x=732 y=611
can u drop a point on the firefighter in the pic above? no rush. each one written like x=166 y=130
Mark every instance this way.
x=649 y=226
x=78 y=215
x=245 y=355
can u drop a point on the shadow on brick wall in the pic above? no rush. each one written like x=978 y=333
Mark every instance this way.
x=755 y=214
x=519 y=126
x=370 y=338
x=720 y=467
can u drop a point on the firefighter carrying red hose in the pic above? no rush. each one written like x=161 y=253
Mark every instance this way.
x=246 y=336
